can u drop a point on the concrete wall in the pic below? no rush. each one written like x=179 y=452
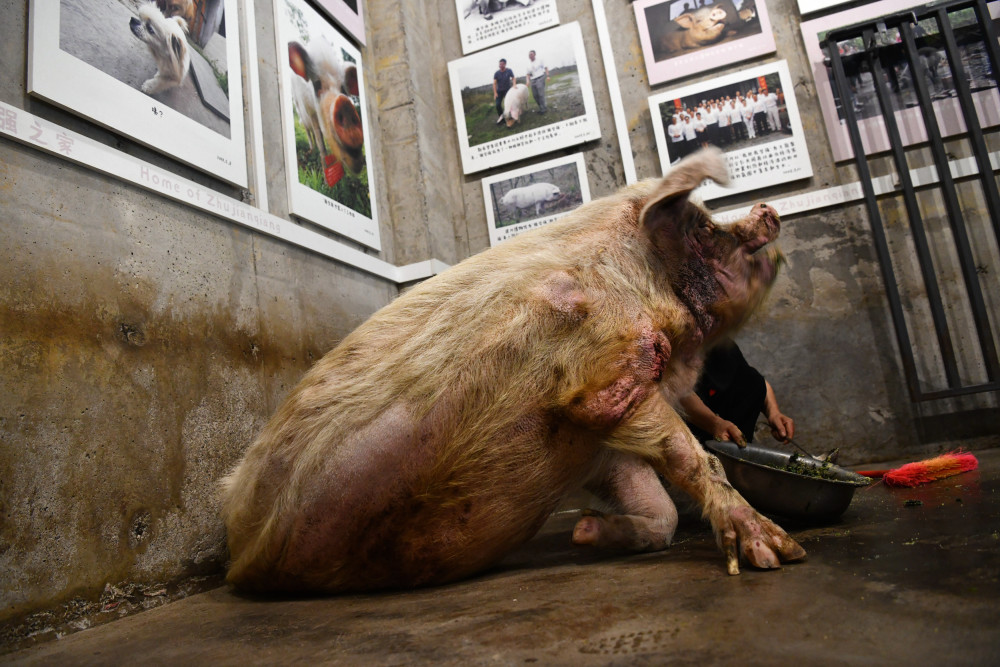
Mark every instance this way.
x=144 y=344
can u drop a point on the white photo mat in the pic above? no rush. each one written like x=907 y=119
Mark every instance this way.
x=810 y=6
x=771 y=158
x=356 y=219
x=569 y=174
x=909 y=120
x=572 y=113
x=740 y=40
x=350 y=14
x=63 y=79
x=480 y=28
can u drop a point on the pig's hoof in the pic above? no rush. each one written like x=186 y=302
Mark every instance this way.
x=760 y=541
x=588 y=529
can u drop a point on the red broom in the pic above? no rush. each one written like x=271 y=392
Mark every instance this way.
x=922 y=472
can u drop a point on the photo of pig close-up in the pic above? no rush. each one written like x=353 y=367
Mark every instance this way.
x=686 y=26
x=329 y=132
x=441 y=433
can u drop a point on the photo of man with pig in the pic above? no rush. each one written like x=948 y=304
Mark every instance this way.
x=323 y=114
x=682 y=37
x=499 y=119
x=533 y=196
x=750 y=115
x=488 y=118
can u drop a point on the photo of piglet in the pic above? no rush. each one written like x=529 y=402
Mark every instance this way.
x=441 y=434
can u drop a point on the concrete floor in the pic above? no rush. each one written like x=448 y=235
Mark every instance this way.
x=892 y=581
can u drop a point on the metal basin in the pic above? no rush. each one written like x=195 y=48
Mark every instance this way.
x=758 y=474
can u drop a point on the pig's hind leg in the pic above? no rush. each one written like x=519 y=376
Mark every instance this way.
x=656 y=433
x=648 y=516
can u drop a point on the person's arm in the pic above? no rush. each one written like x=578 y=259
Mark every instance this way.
x=701 y=416
x=782 y=426
x=494 y=87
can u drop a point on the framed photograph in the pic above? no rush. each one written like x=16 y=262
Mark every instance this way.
x=751 y=115
x=871 y=124
x=323 y=119
x=684 y=37
x=483 y=23
x=348 y=13
x=527 y=198
x=170 y=79
x=523 y=99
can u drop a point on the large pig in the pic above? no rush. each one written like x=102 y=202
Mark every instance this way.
x=536 y=194
x=333 y=80
x=441 y=434
x=514 y=103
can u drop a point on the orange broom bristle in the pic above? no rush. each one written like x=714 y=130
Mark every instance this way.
x=922 y=472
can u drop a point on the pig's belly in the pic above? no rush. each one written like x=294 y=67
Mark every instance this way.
x=369 y=530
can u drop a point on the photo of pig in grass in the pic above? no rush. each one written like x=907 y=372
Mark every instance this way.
x=443 y=432
x=329 y=133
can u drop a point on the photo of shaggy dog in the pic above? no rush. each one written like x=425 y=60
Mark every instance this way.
x=166 y=39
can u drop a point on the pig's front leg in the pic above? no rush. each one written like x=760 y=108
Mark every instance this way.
x=648 y=517
x=656 y=433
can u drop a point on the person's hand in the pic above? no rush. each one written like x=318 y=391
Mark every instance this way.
x=727 y=431
x=782 y=427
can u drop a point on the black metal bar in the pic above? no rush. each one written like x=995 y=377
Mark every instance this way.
x=987 y=180
x=875 y=220
x=916 y=219
x=947 y=183
x=960 y=391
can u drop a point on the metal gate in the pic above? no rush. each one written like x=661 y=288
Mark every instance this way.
x=903 y=58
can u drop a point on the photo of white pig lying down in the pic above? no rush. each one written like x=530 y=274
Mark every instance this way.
x=515 y=103
x=441 y=434
x=536 y=194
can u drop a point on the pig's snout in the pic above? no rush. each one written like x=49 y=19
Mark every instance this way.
x=770 y=218
x=347 y=123
x=759 y=228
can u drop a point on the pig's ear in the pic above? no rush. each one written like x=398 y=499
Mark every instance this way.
x=299 y=60
x=664 y=208
x=685 y=21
